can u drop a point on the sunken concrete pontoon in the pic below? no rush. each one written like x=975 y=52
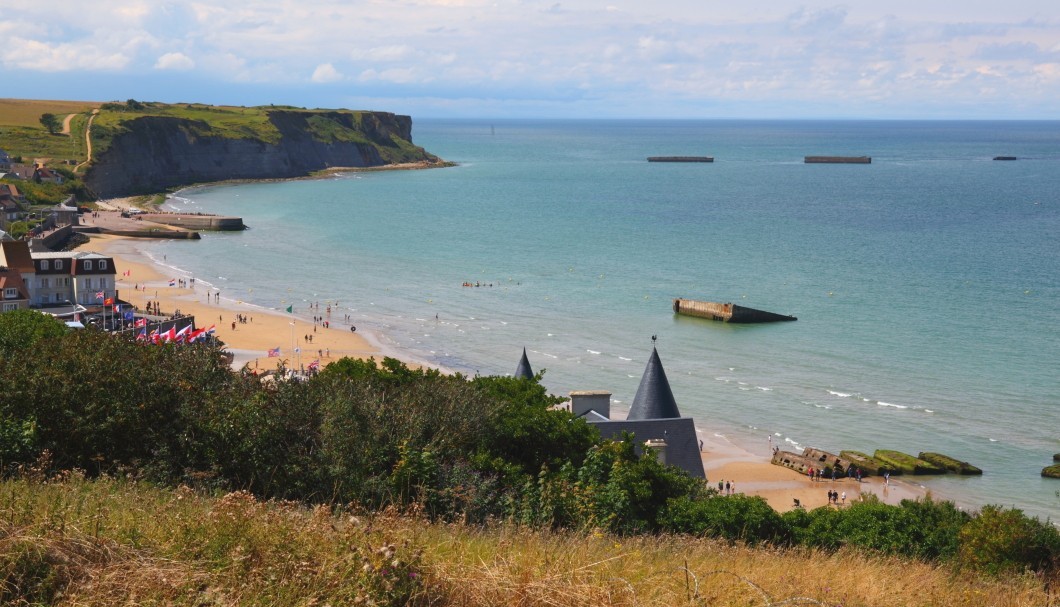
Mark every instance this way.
x=837 y=160
x=680 y=159
x=726 y=312
x=653 y=419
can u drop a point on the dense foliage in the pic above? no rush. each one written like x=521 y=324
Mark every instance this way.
x=378 y=435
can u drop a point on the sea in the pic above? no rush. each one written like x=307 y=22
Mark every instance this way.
x=926 y=284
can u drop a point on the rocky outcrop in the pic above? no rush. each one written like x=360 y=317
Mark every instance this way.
x=154 y=153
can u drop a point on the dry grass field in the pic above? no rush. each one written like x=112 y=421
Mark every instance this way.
x=27 y=112
x=75 y=542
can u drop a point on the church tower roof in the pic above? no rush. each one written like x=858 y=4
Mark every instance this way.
x=523 y=370
x=654 y=399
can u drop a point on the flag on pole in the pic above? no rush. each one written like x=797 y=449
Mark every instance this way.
x=100 y=294
x=142 y=335
x=274 y=352
x=172 y=282
x=141 y=322
x=313 y=366
x=117 y=308
x=182 y=334
x=109 y=301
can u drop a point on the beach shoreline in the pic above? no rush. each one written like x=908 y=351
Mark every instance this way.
x=123 y=203
x=300 y=340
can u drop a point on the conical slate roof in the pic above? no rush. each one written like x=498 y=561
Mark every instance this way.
x=654 y=399
x=523 y=370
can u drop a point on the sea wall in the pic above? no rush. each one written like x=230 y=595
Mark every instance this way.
x=197 y=222
x=154 y=153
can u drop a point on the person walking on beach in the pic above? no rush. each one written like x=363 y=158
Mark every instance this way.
x=844 y=498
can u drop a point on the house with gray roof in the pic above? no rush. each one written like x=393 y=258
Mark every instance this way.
x=654 y=419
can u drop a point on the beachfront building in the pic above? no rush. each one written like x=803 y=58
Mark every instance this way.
x=654 y=418
x=61 y=278
x=81 y=278
x=13 y=292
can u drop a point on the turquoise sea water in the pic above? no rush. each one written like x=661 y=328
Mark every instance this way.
x=927 y=284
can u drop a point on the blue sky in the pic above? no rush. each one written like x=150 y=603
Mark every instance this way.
x=528 y=58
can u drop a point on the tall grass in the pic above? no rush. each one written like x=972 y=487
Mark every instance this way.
x=70 y=541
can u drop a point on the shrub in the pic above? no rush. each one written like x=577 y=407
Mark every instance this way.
x=1004 y=540
x=736 y=517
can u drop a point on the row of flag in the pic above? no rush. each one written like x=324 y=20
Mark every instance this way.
x=185 y=335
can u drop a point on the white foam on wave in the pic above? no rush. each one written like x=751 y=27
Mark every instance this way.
x=822 y=406
x=592 y=351
x=840 y=394
x=624 y=358
x=928 y=411
x=764 y=389
x=892 y=405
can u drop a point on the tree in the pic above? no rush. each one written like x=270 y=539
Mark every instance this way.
x=51 y=122
x=20 y=330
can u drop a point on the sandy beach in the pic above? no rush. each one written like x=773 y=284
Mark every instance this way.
x=750 y=473
x=753 y=474
x=250 y=342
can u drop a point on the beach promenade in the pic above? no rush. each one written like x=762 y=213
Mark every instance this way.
x=750 y=473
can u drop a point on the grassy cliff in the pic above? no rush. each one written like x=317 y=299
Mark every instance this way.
x=133 y=147
x=147 y=147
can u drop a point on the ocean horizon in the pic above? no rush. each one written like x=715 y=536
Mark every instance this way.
x=926 y=283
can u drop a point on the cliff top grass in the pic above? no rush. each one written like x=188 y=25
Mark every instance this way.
x=109 y=542
x=233 y=122
x=22 y=134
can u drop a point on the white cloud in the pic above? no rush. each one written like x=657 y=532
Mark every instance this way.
x=326 y=72
x=174 y=61
x=906 y=52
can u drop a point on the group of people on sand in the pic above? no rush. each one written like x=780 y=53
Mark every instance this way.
x=835 y=496
x=727 y=487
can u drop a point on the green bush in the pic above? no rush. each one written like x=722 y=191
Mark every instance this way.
x=736 y=517
x=923 y=529
x=1004 y=540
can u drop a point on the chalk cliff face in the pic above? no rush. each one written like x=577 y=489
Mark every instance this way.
x=154 y=153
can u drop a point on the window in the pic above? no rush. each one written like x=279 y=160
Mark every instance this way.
x=88 y=283
x=10 y=307
x=102 y=264
x=10 y=293
x=44 y=283
x=44 y=264
x=58 y=264
x=88 y=264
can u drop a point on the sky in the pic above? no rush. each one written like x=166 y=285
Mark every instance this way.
x=889 y=59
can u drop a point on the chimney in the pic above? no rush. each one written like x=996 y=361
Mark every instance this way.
x=583 y=401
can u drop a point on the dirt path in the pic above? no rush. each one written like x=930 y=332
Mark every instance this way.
x=66 y=124
x=88 y=140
